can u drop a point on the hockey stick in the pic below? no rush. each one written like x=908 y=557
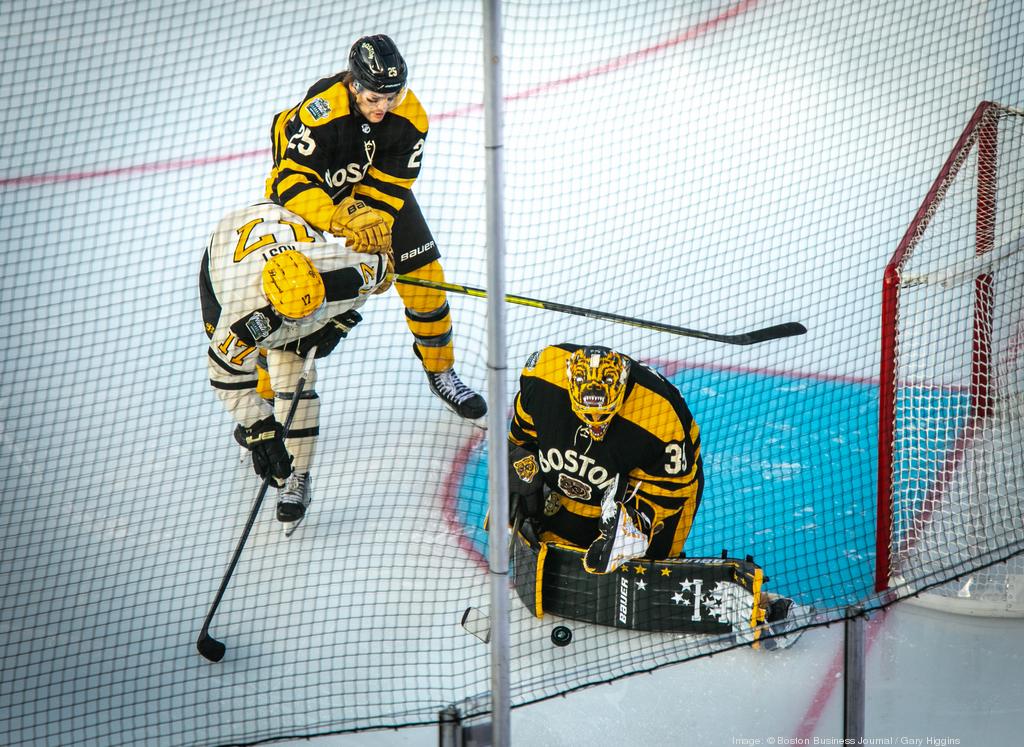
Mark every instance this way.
x=207 y=645
x=474 y=621
x=775 y=332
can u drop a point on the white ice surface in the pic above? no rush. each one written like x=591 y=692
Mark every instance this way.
x=928 y=675
x=804 y=139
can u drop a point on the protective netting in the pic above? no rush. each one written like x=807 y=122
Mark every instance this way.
x=955 y=393
x=720 y=165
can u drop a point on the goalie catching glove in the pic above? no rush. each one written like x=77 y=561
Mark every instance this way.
x=362 y=227
x=270 y=457
x=625 y=532
x=327 y=337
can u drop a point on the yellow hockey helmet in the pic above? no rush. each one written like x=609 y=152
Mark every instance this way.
x=597 y=386
x=293 y=286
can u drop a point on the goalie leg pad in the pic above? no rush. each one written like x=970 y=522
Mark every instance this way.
x=703 y=595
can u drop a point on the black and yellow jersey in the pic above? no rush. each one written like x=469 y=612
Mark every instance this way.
x=653 y=440
x=324 y=150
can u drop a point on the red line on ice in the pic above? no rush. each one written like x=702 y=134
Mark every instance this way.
x=694 y=32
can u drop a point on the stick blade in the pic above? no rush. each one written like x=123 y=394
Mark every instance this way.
x=789 y=329
x=477 y=623
x=210 y=648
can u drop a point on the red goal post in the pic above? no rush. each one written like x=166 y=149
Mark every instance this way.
x=951 y=391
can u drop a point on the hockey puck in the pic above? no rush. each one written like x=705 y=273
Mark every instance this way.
x=561 y=636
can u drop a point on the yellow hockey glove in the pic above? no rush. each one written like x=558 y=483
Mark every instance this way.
x=362 y=227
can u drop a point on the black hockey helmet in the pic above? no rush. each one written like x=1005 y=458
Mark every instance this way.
x=376 y=64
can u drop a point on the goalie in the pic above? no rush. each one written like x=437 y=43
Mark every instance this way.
x=271 y=288
x=604 y=455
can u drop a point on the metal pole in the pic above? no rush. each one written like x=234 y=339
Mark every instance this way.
x=449 y=727
x=497 y=469
x=853 y=676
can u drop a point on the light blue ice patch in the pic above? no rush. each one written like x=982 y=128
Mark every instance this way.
x=790 y=468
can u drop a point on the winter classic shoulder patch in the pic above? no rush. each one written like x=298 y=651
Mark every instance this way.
x=258 y=325
x=318 y=108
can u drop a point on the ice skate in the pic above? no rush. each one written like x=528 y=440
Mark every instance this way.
x=780 y=621
x=457 y=397
x=293 y=500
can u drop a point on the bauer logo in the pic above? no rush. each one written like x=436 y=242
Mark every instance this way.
x=623 y=600
x=417 y=251
x=318 y=108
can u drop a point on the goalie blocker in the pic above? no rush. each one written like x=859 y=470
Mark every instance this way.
x=721 y=596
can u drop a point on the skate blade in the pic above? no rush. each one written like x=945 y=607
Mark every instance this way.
x=291 y=526
x=480 y=422
x=477 y=623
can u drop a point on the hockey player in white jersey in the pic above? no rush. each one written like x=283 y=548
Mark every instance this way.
x=271 y=285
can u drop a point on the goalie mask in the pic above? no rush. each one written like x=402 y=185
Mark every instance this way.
x=293 y=286
x=597 y=386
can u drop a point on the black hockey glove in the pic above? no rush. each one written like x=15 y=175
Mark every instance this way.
x=525 y=486
x=327 y=337
x=270 y=457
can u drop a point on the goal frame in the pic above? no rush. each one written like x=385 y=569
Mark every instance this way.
x=980 y=131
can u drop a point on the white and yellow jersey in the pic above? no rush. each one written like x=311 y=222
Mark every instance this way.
x=238 y=318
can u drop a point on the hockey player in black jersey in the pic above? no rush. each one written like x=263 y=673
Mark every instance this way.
x=604 y=455
x=345 y=159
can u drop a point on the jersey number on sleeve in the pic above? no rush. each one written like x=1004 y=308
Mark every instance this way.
x=302 y=141
x=417 y=154
x=676 y=459
x=244 y=351
x=369 y=277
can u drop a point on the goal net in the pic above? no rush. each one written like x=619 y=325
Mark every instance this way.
x=952 y=382
x=722 y=166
